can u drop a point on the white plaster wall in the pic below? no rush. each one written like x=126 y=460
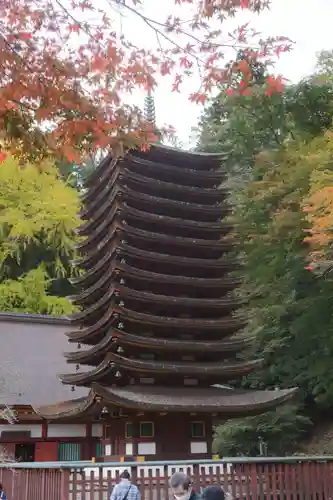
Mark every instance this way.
x=69 y=430
x=147 y=449
x=31 y=360
x=97 y=430
x=129 y=449
x=108 y=450
x=199 y=447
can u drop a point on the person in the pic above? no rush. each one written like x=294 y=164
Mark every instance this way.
x=2 y=493
x=213 y=492
x=125 y=490
x=182 y=487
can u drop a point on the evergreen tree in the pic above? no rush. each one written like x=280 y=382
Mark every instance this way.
x=281 y=146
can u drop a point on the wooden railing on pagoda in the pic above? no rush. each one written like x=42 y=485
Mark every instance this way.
x=287 y=478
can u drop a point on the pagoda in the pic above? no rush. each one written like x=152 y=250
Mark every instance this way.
x=158 y=336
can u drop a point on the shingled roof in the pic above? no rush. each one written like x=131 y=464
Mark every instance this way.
x=32 y=349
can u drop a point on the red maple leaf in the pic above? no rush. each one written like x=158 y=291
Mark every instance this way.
x=198 y=98
x=85 y=5
x=25 y=35
x=81 y=92
x=274 y=84
x=184 y=62
x=74 y=28
x=176 y=83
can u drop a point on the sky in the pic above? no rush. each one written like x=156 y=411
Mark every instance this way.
x=307 y=22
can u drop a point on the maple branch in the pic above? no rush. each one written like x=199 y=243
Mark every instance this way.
x=158 y=33
x=75 y=20
x=46 y=75
x=164 y=25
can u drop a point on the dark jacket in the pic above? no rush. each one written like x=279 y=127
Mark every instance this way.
x=195 y=496
x=213 y=492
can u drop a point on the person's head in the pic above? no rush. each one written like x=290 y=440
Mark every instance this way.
x=181 y=486
x=125 y=475
x=213 y=492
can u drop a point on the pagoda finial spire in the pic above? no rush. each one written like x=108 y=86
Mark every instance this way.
x=149 y=109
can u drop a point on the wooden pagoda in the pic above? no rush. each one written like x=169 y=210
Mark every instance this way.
x=158 y=332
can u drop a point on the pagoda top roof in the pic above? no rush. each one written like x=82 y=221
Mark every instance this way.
x=200 y=155
x=166 y=154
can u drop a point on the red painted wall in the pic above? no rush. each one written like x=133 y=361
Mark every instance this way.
x=46 y=452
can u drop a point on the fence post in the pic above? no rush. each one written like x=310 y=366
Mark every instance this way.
x=134 y=473
x=64 y=484
x=197 y=478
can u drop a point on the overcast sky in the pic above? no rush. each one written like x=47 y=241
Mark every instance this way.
x=307 y=22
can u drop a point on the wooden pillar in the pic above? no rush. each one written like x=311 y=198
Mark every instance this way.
x=44 y=430
x=136 y=434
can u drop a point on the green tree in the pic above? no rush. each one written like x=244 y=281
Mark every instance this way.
x=245 y=125
x=281 y=430
x=291 y=309
x=30 y=294
x=281 y=146
x=38 y=217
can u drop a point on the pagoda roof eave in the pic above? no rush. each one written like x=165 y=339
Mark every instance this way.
x=221 y=283
x=190 y=154
x=102 y=199
x=228 y=370
x=93 y=277
x=212 y=194
x=104 y=231
x=131 y=161
x=198 y=160
x=97 y=209
x=205 y=159
x=115 y=338
x=76 y=408
x=192 y=174
x=175 y=222
x=224 y=283
x=222 y=324
x=105 y=300
x=118 y=227
x=226 y=403
x=103 y=171
x=212 y=210
x=89 y=334
x=97 y=192
x=203 y=400
x=129 y=251
x=134 y=198
x=168 y=301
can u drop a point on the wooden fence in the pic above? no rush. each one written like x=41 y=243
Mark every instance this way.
x=294 y=478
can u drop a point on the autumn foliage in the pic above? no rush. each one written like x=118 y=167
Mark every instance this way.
x=66 y=70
